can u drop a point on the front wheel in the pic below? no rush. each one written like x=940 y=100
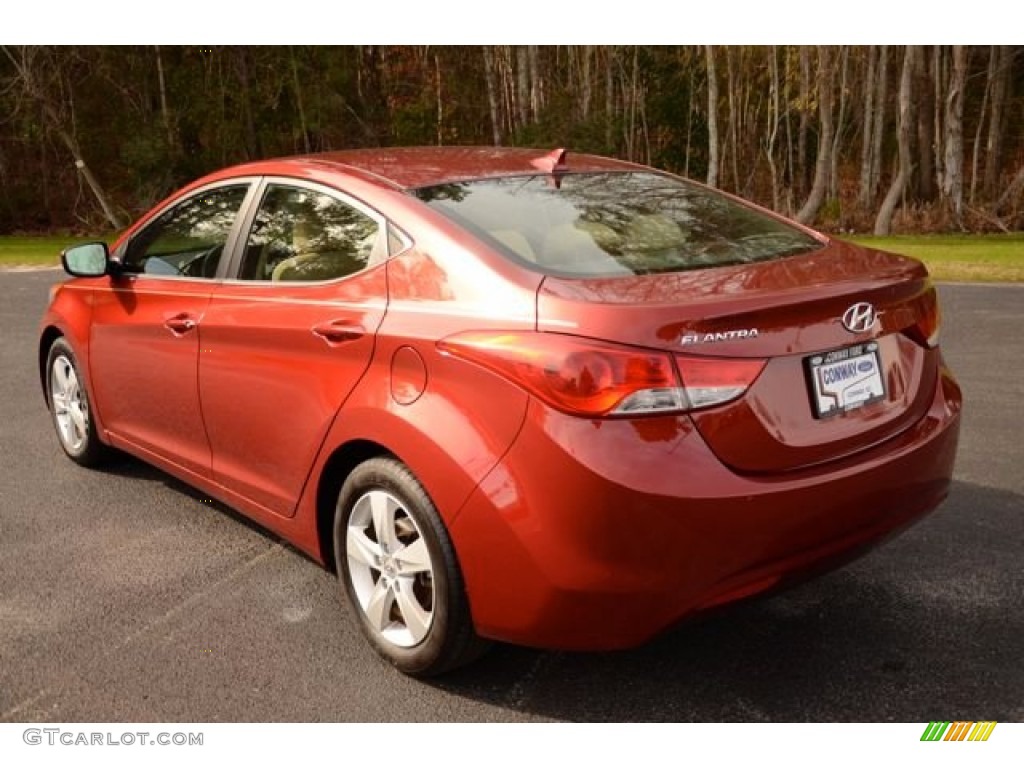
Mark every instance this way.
x=399 y=572
x=69 y=407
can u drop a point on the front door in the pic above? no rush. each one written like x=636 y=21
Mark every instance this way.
x=146 y=328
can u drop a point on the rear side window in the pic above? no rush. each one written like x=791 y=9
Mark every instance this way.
x=595 y=224
x=301 y=235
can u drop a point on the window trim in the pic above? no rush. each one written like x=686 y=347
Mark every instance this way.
x=230 y=245
x=384 y=225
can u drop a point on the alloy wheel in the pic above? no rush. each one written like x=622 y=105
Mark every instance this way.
x=70 y=408
x=391 y=569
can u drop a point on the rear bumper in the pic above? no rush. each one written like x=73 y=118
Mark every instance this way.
x=595 y=535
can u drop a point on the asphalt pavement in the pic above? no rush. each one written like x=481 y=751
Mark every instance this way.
x=125 y=597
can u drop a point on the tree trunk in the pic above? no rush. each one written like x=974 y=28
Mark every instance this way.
x=880 y=105
x=953 y=183
x=999 y=76
x=297 y=86
x=976 y=145
x=883 y=221
x=439 y=100
x=801 y=138
x=864 y=196
x=492 y=94
x=536 y=92
x=609 y=100
x=165 y=112
x=926 y=189
x=522 y=85
x=773 y=124
x=939 y=78
x=789 y=174
x=252 y=140
x=833 y=176
x=586 y=88
x=712 y=178
x=825 y=80
x=731 y=133
x=689 y=127
x=633 y=101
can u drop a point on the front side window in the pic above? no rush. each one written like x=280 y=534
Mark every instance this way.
x=623 y=223
x=300 y=235
x=188 y=239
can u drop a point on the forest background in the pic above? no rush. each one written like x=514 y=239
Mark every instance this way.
x=850 y=139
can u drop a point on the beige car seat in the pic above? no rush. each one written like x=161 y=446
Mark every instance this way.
x=307 y=244
x=582 y=247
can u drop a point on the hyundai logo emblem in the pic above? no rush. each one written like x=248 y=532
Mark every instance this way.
x=860 y=318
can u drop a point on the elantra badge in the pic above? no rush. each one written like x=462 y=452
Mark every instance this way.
x=691 y=337
x=860 y=318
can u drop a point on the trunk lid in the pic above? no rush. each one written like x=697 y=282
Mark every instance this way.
x=783 y=311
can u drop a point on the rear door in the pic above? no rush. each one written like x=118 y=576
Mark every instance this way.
x=145 y=330
x=284 y=343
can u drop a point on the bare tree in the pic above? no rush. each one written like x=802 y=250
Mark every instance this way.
x=837 y=138
x=492 y=94
x=864 y=197
x=976 y=145
x=586 y=89
x=883 y=221
x=522 y=84
x=165 y=112
x=36 y=73
x=712 y=118
x=953 y=182
x=825 y=81
x=939 y=80
x=925 y=171
x=999 y=69
x=536 y=80
x=800 y=181
x=297 y=87
x=773 y=124
x=609 y=98
x=732 y=129
x=881 y=88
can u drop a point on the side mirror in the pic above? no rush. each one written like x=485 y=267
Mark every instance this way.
x=86 y=260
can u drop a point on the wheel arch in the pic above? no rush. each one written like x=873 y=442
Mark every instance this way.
x=49 y=335
x=339 y=465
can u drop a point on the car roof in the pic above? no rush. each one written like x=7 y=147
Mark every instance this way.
x=411 y=167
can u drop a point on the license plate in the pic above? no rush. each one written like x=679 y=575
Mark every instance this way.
x=845 y=379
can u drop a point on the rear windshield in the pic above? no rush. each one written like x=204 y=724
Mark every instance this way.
x=591 y=224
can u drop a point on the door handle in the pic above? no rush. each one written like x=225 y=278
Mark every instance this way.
x=181 y=324
x=338 y=331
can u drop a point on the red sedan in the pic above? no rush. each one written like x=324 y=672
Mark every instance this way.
x=546 y=398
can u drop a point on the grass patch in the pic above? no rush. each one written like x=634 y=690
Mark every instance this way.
x=36 y=251
x=969 y=258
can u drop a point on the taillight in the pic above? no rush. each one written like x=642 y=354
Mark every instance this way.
x=595 y=378
x=929 y=321
x=711 y=381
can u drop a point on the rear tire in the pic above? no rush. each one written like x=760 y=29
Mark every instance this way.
x=70 y=409
x=398 y=570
